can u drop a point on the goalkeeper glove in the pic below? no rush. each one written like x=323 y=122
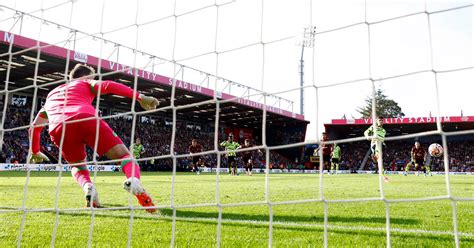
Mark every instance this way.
x=37 y=158
x=148 y=102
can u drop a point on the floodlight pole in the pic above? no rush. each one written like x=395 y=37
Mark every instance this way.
x=302 y=81
x=308 y=41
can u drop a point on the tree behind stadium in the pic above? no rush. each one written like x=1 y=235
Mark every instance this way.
x=386 y=107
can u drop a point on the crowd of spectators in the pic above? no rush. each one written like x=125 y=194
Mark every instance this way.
x=283 y=136
x=15 y=141
x=155 y=137
x=397 y=154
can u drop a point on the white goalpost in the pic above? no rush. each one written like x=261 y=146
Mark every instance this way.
x=155 y=47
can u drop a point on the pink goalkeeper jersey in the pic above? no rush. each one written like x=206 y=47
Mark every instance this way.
x=80 y=95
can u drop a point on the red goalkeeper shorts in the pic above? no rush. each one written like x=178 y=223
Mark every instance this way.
x=79 y=134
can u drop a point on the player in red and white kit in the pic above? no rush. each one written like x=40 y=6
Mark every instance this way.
x=326 y=149
x=73 y=124
x=195 y=147
x=418 y=155
x=247 y=157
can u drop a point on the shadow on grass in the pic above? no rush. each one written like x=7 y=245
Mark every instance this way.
x=287 y=218
x=212 y=216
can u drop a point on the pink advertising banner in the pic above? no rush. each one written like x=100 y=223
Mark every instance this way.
x=405 y=120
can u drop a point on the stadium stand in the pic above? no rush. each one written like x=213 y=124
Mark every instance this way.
x=397 y=153
x=155 y=139
x=235 y=115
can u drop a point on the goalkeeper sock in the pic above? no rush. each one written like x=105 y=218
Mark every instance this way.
x=128 y=166
x=81 y=174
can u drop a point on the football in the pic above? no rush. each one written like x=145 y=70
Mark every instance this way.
x=435 y=150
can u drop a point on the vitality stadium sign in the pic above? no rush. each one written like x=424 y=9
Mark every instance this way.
x=406 y=120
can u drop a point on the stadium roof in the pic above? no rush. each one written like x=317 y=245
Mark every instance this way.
x=345 y=128
x=51 y=68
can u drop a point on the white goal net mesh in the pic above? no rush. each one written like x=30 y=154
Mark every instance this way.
x=232 y=52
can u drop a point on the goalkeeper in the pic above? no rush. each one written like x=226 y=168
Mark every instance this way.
x=72 y=103
x=377 y=137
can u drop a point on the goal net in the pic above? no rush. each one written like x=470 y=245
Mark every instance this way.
x=271 y=72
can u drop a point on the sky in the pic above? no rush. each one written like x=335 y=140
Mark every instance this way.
x=255 y=43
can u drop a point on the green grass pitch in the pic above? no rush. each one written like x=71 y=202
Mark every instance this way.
x=361 y=224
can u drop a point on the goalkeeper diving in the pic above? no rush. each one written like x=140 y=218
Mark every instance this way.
x=73 y=124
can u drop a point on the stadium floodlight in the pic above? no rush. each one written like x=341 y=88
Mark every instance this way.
x=307 y=41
